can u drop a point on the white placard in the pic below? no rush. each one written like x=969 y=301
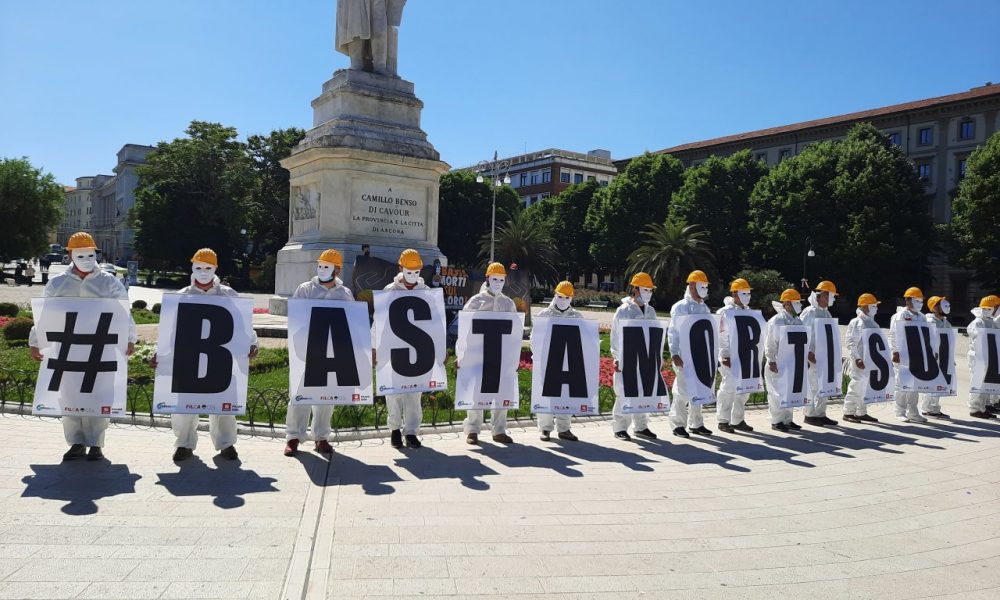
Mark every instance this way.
x=745 y=330
x=488 y=350
x=829 y=367
x=946 y=362
x=986 y=366
x=203 y=354
x=410 y=341
x=639 y=383
x=919 y=370
x=84 y=341
x=792 y=381
x=566 y=355
x=329 y=352
x=880 y=377
x=699 y=340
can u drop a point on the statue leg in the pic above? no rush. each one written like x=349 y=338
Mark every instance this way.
x=356 y=50
x=392 y=51
x=380 y=47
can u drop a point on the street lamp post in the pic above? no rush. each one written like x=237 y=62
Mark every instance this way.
x=492 y=169
x=807 y=255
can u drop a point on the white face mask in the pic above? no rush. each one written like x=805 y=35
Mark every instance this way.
x=563 y=302
x=325 y=271
x=204 y=273
x=744 y=298
x=410 y=277
x=495 y=283
x=917 y=304
x=796 y=306
x=872 y=310
x=702 y=289
x=945 y=307
x=645 y=294
x=84 y=259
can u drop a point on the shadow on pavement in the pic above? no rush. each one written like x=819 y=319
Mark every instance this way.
x=79 y=484
x=345 y=470
x=690 y=455
x=524 y=456
x=587 y=452
x=227 y=483
x=427 y=463
x=733 y=445
x=803 y=443
x=316 y=466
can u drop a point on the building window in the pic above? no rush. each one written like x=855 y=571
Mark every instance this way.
x=966 y=130
x=895 y=138
x=603 y=183
x=526 y=200
x=762 y=156
x=785 y=153
x=961 y=169
x=925 y=137
x=524 y=179
x=591 y=178
x=543 y=196
x=564 y=176
x=534 y=177
x=577 y=177
x=547 y=176
x=924 y=171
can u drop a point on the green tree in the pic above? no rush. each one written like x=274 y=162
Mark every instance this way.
x=191 y=194
x=858 y=203
x=565 y=216
x=465 y=215
x=670 y=251
x=975 y=220
x=267 y=205
x=716 y=195
x=524 y=240
x=640 y=195
x=32 y=206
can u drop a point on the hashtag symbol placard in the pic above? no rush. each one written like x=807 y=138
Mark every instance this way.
x=91 y=367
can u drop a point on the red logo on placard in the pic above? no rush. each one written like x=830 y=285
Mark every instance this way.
x=584 y=408
x=433 y=384
x=506 y=402
x=227 y=406
x=356 y=397
x=105 y=410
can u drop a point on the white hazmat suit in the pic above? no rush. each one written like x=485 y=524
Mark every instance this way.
x=550 y=422
x=487 y=301
x=983 y=320
x=730 y=407
x=628 y=309
x=906 y=402
x=404 y=410
x=681 y=411
x=774 y=325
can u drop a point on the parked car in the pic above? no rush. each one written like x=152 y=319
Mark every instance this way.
x=109 y=269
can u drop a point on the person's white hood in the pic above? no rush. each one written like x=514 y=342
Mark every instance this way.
x=729 y=301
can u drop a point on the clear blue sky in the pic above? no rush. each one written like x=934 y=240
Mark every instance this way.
x=80 y=78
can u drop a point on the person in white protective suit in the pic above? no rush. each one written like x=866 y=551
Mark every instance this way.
x=635 y=306
x=405 y=412
x=786 y=314
x=560 y=307
x=855 y=409
x=222 y=428
x=326 y=285
x=930 y=405
x=83 y=280
x=906 y=402
x=489 y=298
x=985 y=318
x=681 y=411
x=993 y=403
x=730 y=405
x=820 y=301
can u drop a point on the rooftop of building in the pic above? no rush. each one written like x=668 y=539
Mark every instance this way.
x=597 y=157
x=984 y=91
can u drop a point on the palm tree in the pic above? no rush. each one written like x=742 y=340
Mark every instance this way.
x=524 y=240
x=670 y=250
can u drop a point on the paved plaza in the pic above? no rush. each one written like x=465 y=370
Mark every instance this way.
x=887 y=511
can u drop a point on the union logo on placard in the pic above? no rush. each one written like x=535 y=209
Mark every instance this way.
x=584 y=408
x=433 y=384
x=506 y=402
x=105 y=410
x=227 y=406
x=356 y=398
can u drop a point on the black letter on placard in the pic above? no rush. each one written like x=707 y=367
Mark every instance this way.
x=830 y=370
x=944 y=354
x=918 y=344
x=799 y=340
x=701 y=341
x=748 y=349
x=878 y=379
x=641 y=361
x=492 y=331
x=422 y=343
x=189 y=346
x=566 y=346
x=327 y=324
x=992 y=362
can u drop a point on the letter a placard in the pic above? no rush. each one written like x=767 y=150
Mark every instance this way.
x=329 y=352
x=84 y=372
x=409 y=335
x=488 y=350
x=202 y=355
x=566 y=355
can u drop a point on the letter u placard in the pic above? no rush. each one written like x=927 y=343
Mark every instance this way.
x=203 y=355
x=919 y=370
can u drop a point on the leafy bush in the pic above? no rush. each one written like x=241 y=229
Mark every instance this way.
x=142 y=316
x=583 y=297
x=139 y=304
x=8 y=309
x=18 y=329
x=156 y=308
x=539 y=294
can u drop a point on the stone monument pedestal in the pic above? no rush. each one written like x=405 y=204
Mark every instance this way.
x=365 y=174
